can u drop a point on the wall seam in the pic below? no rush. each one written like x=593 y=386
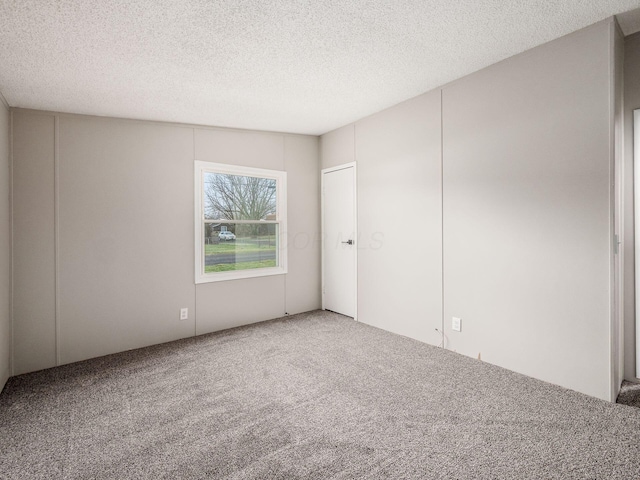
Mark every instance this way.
x=193 y=229
x=444 y=345
x=56 y=233
x=11 y=327
x=357 y=230
x=284 y=168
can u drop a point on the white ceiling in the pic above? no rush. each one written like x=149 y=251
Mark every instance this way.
x=305 y=66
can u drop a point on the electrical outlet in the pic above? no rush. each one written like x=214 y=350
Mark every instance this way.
x=456 y=324
x=184 y=313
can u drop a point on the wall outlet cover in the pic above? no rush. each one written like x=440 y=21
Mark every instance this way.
x=184 y=313
x=456 y=324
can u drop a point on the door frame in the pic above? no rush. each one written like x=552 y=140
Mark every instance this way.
x=324 y=171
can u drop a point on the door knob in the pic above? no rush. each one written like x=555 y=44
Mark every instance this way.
x=349 y=242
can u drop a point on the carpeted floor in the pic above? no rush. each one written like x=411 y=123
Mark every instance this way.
x=314 y=395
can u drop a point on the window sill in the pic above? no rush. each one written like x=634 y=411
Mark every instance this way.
x=238 y=274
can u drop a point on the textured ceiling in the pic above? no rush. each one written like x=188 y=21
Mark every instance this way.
x=305 y=66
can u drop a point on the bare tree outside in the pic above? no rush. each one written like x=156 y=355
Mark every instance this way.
x=234 y=197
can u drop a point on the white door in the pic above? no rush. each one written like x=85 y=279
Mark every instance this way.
x=339 y=240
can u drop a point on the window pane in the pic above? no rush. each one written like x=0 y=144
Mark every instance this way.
x=236 y=197
x=229 y=246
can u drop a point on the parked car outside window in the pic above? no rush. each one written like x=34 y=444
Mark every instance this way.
x=226 y=236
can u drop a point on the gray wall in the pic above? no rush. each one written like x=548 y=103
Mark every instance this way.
x=338 y=147
x=526 y=210
x=103 y=228
x=398 y=154
x=631 y=102
x=5 y=242
x=34 y=300
x=400 y=218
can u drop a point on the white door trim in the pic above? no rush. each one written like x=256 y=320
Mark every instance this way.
x=355 y=227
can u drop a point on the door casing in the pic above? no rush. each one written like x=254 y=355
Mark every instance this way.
x=355 y=228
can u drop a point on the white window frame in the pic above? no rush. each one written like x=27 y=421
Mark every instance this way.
x=281 y=221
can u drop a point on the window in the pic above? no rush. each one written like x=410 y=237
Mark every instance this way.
x=240 y=220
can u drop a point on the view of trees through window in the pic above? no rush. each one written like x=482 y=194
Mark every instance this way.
x=240 y=231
